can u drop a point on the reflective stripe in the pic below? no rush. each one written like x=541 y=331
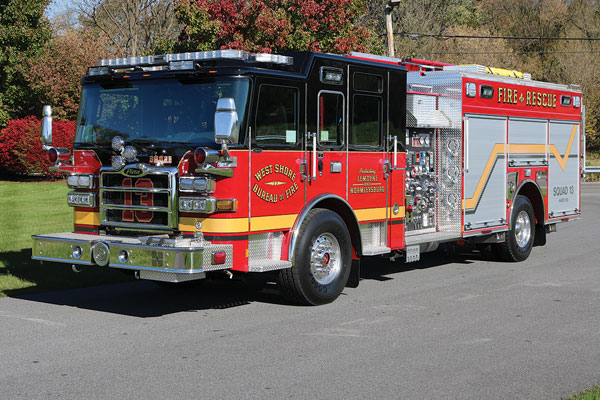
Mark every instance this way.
x=86 y=218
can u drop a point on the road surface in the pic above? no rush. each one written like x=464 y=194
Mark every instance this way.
x=463 y=327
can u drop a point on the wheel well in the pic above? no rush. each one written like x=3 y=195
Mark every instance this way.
x=532 y=192
x=342 y=209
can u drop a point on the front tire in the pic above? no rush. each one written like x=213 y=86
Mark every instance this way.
x=520 y=238
x=322 y=259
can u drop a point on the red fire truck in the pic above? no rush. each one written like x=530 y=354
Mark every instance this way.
x=298 y=165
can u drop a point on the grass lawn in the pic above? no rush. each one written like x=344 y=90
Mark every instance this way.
x=29 y=208
x=590 y=394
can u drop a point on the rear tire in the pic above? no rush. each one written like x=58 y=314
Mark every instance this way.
x=520 y=238
x=322 y=260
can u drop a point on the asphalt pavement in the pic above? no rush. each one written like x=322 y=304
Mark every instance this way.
x=447 y=327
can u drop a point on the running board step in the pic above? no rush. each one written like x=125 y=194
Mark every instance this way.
x=268 y=265
x=375 y=250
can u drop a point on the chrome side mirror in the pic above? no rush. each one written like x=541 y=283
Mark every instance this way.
x=46 y=134
x=227 y=128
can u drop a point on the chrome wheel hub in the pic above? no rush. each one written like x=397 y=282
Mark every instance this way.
x=325 y=262
x=523 y=229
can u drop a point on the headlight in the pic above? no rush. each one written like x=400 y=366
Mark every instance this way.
x=80 y=181
x=206 y=205
x=202 y=184
x=76 y=199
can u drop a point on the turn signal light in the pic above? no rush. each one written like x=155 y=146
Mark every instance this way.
x=226 y=204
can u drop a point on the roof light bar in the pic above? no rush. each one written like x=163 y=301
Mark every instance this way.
x=271 y=58
x=183 y=61
x=166 y=58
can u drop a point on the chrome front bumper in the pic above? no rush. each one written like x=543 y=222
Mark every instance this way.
x=155 y=257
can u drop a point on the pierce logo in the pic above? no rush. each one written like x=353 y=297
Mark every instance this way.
x=133 y=172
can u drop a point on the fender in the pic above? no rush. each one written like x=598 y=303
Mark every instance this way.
x=518 y=191
x=312 y=204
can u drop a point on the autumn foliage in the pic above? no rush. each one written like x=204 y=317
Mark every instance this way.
x=273 y=25
x=21 y=149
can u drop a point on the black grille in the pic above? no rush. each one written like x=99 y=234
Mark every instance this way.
x=143 y=202
x=116 y=180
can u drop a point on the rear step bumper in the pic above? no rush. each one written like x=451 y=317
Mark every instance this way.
x=155 y=257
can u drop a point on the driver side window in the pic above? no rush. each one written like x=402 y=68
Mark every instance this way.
x=277 y=116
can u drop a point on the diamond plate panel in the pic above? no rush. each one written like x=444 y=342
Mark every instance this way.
x=170 y=277
x=264 y=251
x=448 y=85
x=373 y=235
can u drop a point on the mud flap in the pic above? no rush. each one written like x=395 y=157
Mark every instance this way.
x=540 y=235
x=354 y=277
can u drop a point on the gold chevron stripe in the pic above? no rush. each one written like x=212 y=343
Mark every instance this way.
x=499 y=148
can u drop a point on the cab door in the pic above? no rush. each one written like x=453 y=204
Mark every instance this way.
x=326 y=125
x=368 y=159
x=277 y=186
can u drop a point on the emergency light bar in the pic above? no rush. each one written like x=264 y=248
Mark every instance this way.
x=482 y=69
x=184 y=61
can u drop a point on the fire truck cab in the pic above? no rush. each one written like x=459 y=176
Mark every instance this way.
x=301 y=164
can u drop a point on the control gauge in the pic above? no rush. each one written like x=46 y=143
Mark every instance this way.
x=427 y=141
x=421 y=140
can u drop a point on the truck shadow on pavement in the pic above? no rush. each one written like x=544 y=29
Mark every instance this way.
x=146 y=299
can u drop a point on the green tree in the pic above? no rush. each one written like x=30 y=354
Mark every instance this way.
x=55 y=74
x=274 y=25
x=24 y=31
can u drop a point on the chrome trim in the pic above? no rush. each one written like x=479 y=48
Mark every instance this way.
x=54 y=259
x=154 y=269
x=302 y=215
x=224 y=172
x=134 y=189
x=179 y=255
x=146 y=170
x=136 y=208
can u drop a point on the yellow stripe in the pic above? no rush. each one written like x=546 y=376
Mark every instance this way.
x=518 y=149
x=267 y=223
x=562 y=161
x=527 y=149
x=470 y=203
x=214 y=225
x=272 y=222
x=86 y=218
x=370 y=214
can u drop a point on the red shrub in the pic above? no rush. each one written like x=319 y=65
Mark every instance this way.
x=21 y=149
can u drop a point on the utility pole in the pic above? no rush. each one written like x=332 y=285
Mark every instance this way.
x=388 y=25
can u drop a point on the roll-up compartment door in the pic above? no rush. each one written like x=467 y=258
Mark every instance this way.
x=485 y=171
x=563 y=173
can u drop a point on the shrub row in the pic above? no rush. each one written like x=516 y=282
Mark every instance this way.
x=21 y=149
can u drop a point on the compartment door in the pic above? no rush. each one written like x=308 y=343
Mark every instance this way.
x=484 y=146
x=563 y=171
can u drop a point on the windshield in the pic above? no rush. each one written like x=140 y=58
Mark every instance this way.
x=165 y=110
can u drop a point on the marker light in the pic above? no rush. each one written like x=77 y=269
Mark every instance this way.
x=53 y=155
x=202 y=155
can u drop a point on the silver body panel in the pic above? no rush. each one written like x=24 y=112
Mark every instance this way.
x=531 y=132
x=485 y=171
x=563 y=171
